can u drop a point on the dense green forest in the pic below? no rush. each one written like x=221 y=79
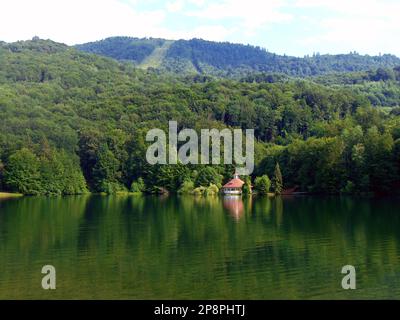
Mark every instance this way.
x=381 y=86
x=73 y=122
x=228 y=60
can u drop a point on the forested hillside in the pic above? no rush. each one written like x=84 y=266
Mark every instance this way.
x=381 y=86
x=73 y=121
x=230 y=60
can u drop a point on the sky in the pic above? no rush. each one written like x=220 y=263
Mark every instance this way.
x=292 y=27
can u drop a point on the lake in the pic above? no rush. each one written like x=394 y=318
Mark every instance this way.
x=150 y=247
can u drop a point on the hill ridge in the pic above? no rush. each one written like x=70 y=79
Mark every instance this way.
x=228 y=59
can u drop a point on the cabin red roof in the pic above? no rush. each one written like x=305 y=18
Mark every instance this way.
x=234 y=183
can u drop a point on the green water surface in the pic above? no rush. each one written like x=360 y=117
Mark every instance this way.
x=134 y=247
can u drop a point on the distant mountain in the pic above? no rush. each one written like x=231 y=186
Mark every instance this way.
x=227 y=59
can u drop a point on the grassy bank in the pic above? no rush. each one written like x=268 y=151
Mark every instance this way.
x=10 y=195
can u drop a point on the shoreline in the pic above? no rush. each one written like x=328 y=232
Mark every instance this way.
x=4 y=195
x=10 y=195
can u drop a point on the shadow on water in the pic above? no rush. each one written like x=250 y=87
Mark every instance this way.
x=199 y=248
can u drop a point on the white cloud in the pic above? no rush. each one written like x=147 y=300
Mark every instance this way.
x=357 y=34
x=365 y=8
x=175 y=6
x=198 y=3
x=251 y=14
x=366 y=26
x=213 y=33
x=208 y=32
x=75 y=21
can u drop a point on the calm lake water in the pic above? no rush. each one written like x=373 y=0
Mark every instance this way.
x=132 y=247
